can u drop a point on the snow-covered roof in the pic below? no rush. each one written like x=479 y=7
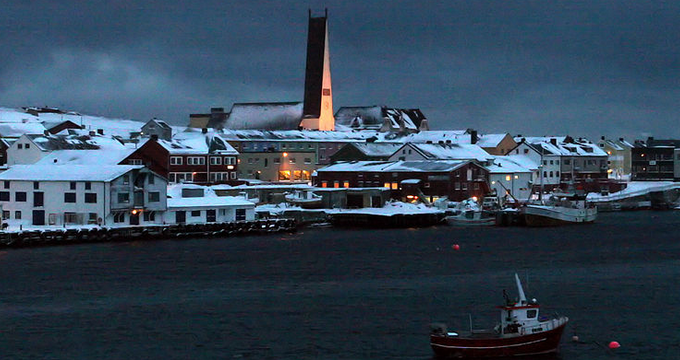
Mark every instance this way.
x=394 y=166
x=74 y=142
x=196 y=142
x=16 y=129
x=86 y=157
x=377 y=149
x=372 y=117
x=490 y=140
x=208 y=200
x=298 y=135
x=265 y=116
x=451 y=151
x=511 y=164
x=66 y=172
x=564 y=146
x=8 y=115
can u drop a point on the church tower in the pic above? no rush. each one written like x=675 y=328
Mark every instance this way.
x=317 y=111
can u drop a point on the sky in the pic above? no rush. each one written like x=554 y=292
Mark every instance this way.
x=583 y=68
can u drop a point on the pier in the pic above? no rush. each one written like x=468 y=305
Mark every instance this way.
x=47 y=237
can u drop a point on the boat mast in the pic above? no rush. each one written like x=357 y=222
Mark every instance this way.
x=540 y=174
x=522 y=297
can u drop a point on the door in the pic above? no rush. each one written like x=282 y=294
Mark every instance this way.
x=39 y=216
x=211 y=216
x=134 y=218
x=180 y=217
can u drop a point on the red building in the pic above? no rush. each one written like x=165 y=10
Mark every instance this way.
x=457 y=180
x=212 y=161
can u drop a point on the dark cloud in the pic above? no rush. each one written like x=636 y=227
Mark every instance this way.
x=531 y=67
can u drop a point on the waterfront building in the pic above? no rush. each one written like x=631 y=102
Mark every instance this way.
x=656 y=160
x=63 y=195
x=619 y=156
x=512 y=177
x=195 y=204
x=193 y=157
x=426 y=180
x=31 y=148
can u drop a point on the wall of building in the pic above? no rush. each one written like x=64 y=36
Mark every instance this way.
x=29 y=155
x=198 y=214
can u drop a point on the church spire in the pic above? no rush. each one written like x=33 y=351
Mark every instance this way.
x=318 y=103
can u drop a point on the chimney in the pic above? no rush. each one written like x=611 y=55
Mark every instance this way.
x=553 y=141
x=473 y=137
x=46 y=133
x=204 y=130
x=620 y=139
x=602 y=137
x=100 y=131
x=92 y=132
x=154 y=137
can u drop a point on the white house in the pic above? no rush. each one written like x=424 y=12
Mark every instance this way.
x=31 y=148
x=195 y=204
x=63 y=195
x=512 y=176
x=547 y=158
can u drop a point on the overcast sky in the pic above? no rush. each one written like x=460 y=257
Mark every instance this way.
x=584 y=68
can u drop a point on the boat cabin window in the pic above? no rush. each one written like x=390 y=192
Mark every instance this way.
x=531 y=314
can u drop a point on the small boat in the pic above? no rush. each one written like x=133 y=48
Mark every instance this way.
x=560 y=209
x=470 y=217
x=305 y=199
x=521 y=331
x=468 y=212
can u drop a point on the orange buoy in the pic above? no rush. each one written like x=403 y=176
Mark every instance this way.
x=456 y=247
x=614 y=345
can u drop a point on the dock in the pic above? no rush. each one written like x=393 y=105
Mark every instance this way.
x=47 y=237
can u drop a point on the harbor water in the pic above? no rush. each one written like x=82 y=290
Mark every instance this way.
x=330 y=293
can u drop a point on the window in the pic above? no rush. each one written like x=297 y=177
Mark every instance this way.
x=176 y=160
x=526 y=151
x=20 y=146
x=135 y=162
x=72 y=185
x=229 y=160
x=5 y=214
x=545 y=174
x=551 y=174
x=70 y=218
x=284 y=175
x=17 y=215
x=233 y=175
x=69 y=197
x=126 y=179
x=124 y=197
x=336 y=184
x=215 y=160
x=6 y=184
x=92 y=218
x=20 y=196
x=277 y=160
x=119 y=217
x=154 y=196
x=465 y=186
x=90 y=198
x=292 y=160
x=457 y=186
x=557 y=174
x=28 y=146
x=196 y=213
x=152 y=179
x=476 y=186
x=38 y=199
x=551 y=162
x=566 y=162
x=149 y=216
x=4 y=195
x=324 y=184
x=531 y=314
x=395 y=186
x=88 y=185
x=36 y=185
x=308 y=160
x=345 y=184
x=240 y=214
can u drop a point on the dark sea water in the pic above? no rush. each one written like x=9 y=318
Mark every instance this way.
x=342 y=294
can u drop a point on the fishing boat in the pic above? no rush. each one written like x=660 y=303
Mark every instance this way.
x=560 y=209
x=521 y=331
x=305 y=199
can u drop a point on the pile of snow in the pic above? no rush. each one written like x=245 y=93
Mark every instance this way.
x=635 y=188
x=390 y=209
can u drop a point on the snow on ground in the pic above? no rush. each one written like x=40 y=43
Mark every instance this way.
x=635 y=188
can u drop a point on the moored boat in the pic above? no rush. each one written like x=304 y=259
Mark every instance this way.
x=561 y=209
x=471 y=218
x=521 y=331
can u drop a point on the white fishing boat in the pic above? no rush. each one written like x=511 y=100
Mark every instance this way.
x=560 y=209
x=469 y=213
x=305 y=199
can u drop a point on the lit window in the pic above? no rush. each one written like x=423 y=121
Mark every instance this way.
x=345 y=184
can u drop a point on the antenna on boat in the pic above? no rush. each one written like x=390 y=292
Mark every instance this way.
x=522 y=297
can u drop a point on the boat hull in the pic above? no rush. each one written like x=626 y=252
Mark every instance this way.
x=469 y=348
x=457 y=221
x=538 y=215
